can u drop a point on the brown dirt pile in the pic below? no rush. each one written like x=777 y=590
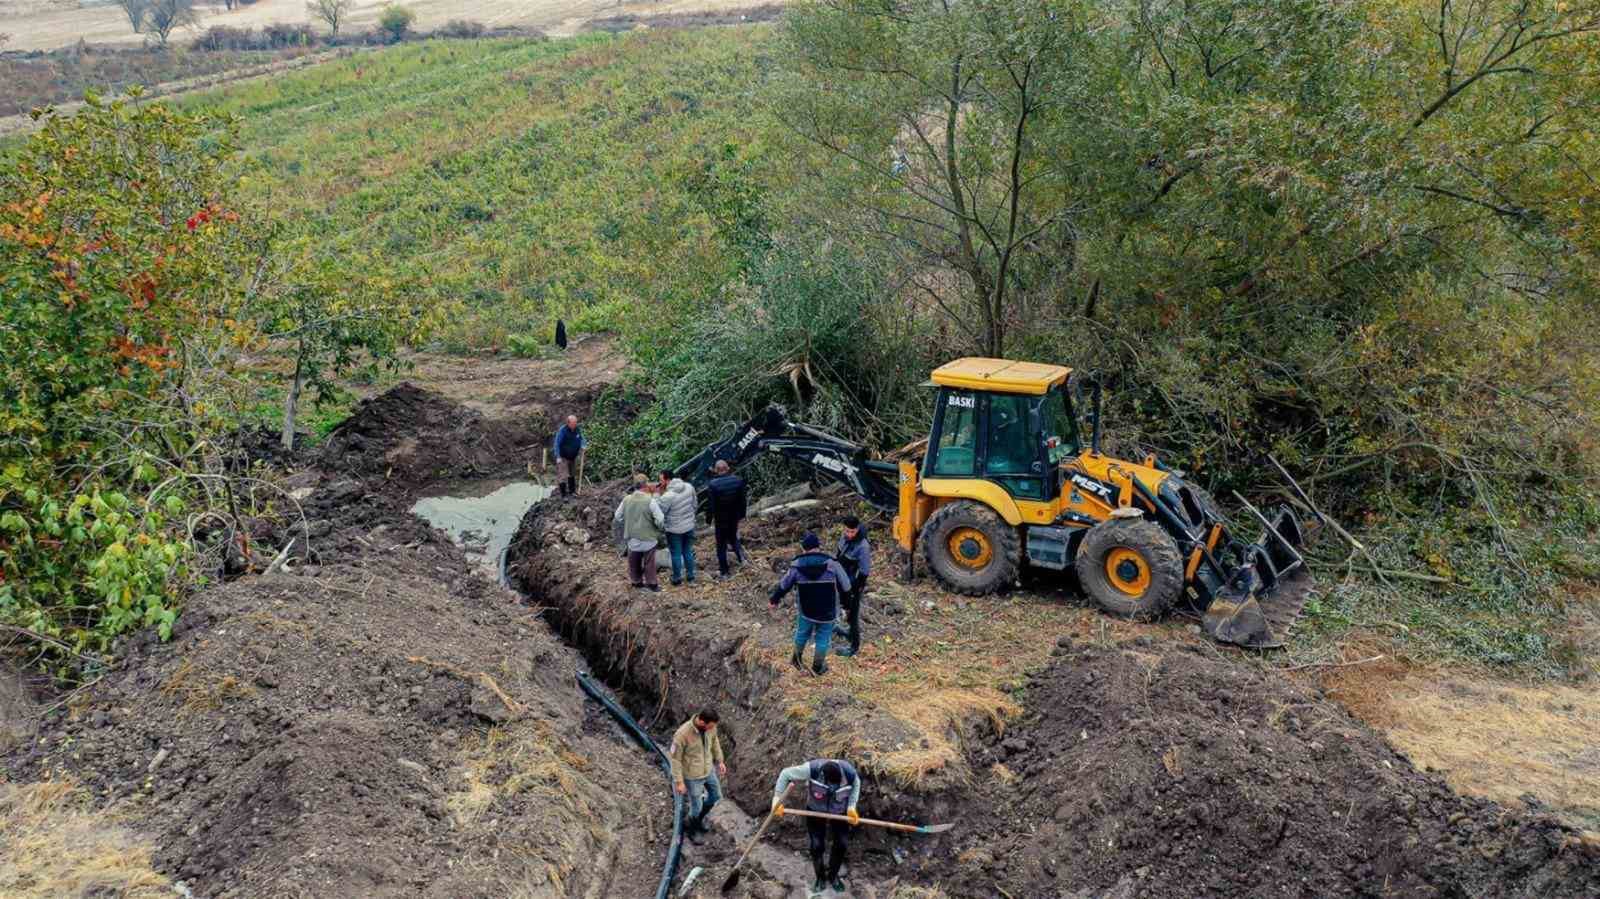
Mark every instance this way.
x=369 y=731
x=1143 y=772
x=409 y=436
x=383 y=721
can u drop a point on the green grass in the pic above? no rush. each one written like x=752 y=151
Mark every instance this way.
x=501 y=184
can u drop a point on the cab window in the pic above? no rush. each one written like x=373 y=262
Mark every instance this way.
x=956 y=452
x=1056 y=421
x=1011 y=449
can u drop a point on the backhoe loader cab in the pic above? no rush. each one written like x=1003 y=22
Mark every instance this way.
x=1009 y=479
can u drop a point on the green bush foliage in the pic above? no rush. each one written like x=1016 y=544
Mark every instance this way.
x=107 y=279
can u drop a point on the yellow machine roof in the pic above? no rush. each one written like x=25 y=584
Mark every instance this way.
x=1000 y=375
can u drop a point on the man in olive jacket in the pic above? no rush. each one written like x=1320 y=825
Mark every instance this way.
x=697 y=768
x=641 y=520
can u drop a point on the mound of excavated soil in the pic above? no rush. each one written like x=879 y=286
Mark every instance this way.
x=408 y=436
x=1138 y=773
x=398 y=727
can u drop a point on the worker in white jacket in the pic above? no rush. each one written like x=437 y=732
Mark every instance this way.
x=832 y=786
x=678 y=504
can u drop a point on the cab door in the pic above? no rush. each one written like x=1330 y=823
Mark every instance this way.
x=1013 y=453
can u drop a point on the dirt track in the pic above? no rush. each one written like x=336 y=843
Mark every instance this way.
x=36 y=28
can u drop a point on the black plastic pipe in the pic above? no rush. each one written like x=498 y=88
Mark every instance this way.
x=670 y=871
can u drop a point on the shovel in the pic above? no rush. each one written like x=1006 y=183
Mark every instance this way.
x=738 y=866
x=873 y=822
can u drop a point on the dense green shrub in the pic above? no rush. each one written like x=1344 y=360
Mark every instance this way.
x=108 y=281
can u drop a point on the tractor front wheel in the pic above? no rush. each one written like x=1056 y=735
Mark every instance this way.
x=971 y=548
x=1130 y=567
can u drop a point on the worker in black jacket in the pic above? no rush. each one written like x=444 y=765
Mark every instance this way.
x=819 y=582
x=855 y=557
x=727 y=503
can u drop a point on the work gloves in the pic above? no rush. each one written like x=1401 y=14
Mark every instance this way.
x=854 y=816
x=777 y=809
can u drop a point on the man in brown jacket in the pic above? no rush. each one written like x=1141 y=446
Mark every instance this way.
x=697 y=765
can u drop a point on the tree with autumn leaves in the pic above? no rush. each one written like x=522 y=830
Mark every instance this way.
x=134 y=284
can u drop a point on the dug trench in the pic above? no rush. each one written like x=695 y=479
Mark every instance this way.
x=1120 y=761
x=384 y=719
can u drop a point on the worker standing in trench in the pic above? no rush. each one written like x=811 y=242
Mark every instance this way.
x=698 y=768
x=832 y=786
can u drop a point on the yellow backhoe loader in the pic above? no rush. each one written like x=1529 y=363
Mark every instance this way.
x=1007 y=479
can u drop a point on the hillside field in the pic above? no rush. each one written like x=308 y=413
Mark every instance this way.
x=501 y=183
x=35 y=25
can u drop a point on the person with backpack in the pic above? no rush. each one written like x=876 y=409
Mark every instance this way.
x=832 y=786
x=819 y=582
x=727 y=501
x=568 y=445
x=855 y=557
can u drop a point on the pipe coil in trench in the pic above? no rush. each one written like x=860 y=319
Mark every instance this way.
x=670 y=870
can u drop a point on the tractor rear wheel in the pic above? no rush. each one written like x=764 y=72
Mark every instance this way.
x=1131 y=567
x=971 y=548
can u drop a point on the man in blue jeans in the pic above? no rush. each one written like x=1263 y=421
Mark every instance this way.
x=819 y=581
x=678 y=506
x=697 y=769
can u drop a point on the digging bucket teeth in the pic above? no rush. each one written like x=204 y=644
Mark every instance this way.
x=1263 y=598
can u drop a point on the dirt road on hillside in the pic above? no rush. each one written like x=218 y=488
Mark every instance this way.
x=34 y=27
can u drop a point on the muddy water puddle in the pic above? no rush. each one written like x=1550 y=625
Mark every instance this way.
x=482 y=518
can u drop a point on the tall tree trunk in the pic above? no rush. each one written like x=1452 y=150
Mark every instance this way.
x=291 y=402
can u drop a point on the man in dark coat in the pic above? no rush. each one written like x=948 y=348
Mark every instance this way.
x=819 y=581
x=568 y=445
x=833 y=786
x=855 y=557
x=727 y=501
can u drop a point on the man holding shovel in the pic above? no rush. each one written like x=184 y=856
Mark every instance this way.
x=568 y=445
x=832 y=787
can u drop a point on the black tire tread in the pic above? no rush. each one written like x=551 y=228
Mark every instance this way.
x=1159 y=550
x=1008 y=547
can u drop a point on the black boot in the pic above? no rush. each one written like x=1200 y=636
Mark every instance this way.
x=798 y=660
x=821 y=882
x=819 y=665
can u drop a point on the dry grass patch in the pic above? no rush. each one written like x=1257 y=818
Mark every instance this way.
x=57 y=846
x=1492 y=738
x=505 y=771
x=507 y=761
x=947 y=665
x=201 y=695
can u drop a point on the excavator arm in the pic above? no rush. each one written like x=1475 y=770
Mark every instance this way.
x=832 y=458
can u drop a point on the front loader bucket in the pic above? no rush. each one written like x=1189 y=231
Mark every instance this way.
x=1258 y=619
x=1263 y=598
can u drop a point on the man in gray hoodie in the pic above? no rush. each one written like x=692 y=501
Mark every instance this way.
x=678 y=505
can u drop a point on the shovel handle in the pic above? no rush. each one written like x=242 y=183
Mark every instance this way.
x=871 y=822
x=727 y=885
